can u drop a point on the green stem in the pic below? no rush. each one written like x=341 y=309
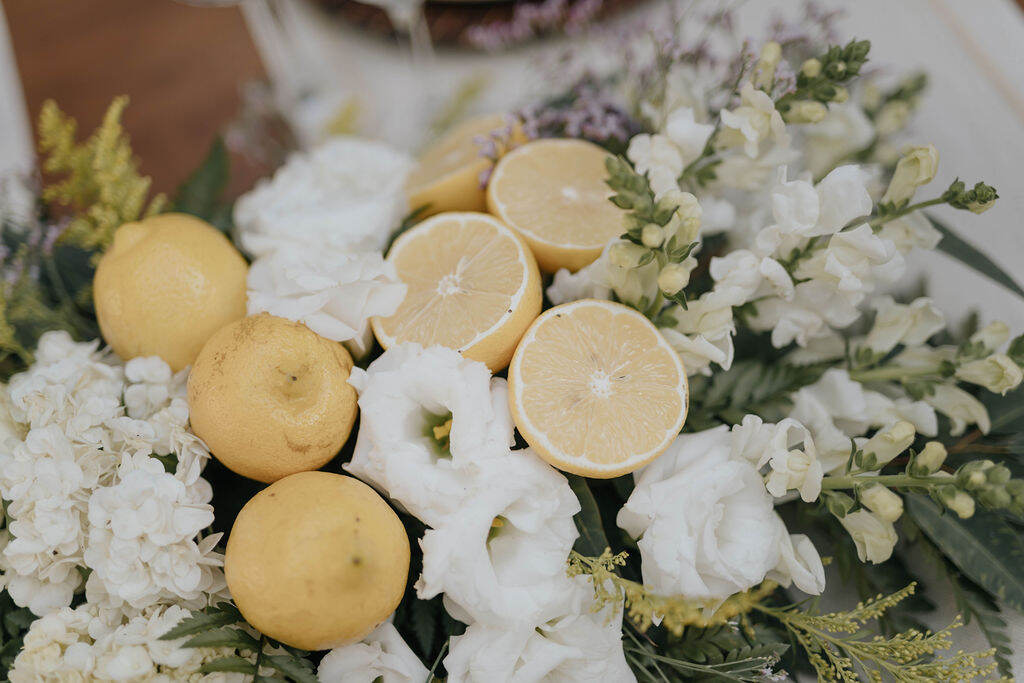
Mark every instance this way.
x=878 y=221
x=890 y=480
x=886 y=373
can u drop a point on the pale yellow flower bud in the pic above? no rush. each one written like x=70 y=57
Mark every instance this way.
x=806 y=111
x=890 y=442
x=930 y=458
x=997 y=373
x=962 y=504
x=811 y=68
x=673 y=278
x=771 y=55
x=892 y=118
x=992 y=336
x=652 y=236
x=842 y=94
x=883 y=502
x=626 y=254
x=915 y=168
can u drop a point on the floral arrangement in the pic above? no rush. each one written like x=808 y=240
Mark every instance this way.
x=768 y=200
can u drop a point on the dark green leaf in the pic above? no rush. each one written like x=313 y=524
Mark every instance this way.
x=296 y=669
x=955 y=246
x=200 y=194
x=205 y=620
x=233 y=664
x=985 y=548
x=223 y=637
x=424 y=622
x=592 y=540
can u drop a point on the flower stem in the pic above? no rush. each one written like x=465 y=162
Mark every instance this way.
x=890 y=480
x=892 y=372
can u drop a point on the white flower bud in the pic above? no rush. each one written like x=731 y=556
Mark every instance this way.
x=806 y=111
x=811 y=68
x=992 y=336
x=875 y=538
x=892 y=118
x=685 y=223
x=890 y=442
x=915 y=168
x=962 y=504
x=625 y=254
x=652 y=236
x=883 y=502
x=997 y=373
x=930 y=459
x=842 y=94
x=673 y=278
x=771 y=55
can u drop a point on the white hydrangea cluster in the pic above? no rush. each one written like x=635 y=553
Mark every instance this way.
x=704 y=521
x=86 y=494
x=436 y=436
x=316 y=231
x=87 y=644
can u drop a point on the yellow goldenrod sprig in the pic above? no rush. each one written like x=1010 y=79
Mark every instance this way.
x=99 y=178
x=642 y=606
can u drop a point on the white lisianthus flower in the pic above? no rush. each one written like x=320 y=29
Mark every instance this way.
x=772 y=445
x=997 y=373
x=333 y=293
x=578 y=644
x=346 y=194
x=403 y=396
x=381 y=656
x=875 y=538
x=844 y=131
x=753 y=122
x=960 y=407
x=500 y=558
x=911 y=324
x=706 y=524
x=915 y=168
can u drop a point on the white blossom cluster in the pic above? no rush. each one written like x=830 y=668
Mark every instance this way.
x=85 y=494
x=436 y=435
x=89 y=644
x=316 y=231
x=704 y=518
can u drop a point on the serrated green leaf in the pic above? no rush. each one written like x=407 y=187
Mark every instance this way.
x=205 y=620
x=592 y=540
x=955 y=246
x=296 y=669
x=232 y=664
x=223 y=637
x=200 y=194
x=986 y=549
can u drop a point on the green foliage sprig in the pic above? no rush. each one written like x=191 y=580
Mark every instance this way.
x=821 y=79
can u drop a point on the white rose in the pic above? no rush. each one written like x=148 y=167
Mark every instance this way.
x=875 y=538
x=997 y=373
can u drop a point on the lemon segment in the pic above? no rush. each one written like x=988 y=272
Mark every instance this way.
x=317 y=560
x=473 y=286
x=448 y=175
x=596 y=390
x=553 y=193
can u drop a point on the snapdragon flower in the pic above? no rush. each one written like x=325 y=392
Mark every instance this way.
x=381 y=657
x=874 y=537
x=911 y=324
x=753 y=122
x=772 y=445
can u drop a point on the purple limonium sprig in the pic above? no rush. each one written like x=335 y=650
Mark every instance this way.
x=530 y=20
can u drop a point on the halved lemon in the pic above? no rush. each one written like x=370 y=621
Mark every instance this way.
x=596 y=390
x=473 y=287
x=553 y=192
x=448 y=175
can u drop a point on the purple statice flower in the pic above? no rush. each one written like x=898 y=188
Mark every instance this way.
x=587 y=112
x=530 y=20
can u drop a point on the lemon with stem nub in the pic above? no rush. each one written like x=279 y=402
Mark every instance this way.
x=596 y=389
x=317 y=560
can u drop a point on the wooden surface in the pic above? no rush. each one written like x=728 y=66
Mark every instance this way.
x=180 y=65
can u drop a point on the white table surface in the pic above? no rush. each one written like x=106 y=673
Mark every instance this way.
x=973 y=112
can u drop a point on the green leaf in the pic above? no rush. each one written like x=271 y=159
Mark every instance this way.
x=200 y=194
x=955 y=246
x=223 y=637
x=204 y=620
x=296 y=669
x=985 y=548
x=592 y=540
x=233 y=664
x=424 y=622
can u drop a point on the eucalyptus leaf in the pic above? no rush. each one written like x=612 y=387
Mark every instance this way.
x=985 y=548
x=955 y=246
x=592 y=540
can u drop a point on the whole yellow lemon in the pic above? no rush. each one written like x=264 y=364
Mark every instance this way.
x=317 y=560
x=165 y=285
x=270 y=397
